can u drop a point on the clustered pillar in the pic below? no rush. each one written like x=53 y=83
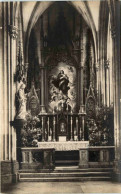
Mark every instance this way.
x=10 y=31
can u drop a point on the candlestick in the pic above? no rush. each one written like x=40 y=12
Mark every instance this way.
x=80 y=134
x=42 y=128
x=48 y=127
x=50 y=135
x=50 y=131
x=54 y=123
x=77 y=126
x=71 y=130
x=83 y=128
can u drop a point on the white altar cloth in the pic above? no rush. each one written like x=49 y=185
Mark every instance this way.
x=64 y=146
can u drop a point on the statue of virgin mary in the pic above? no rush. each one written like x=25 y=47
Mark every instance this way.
x=21 y=114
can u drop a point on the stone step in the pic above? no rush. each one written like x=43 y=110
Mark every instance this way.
x=65 y=179
x=70 y=174
x=35 y=170
x=67 y=161
x=77 y=169
x=66 y=169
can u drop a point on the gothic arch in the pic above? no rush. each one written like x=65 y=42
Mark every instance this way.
x=39 y=9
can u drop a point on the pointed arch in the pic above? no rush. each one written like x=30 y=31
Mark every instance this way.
x=40 y=7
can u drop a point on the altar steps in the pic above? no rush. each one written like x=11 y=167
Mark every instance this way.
x=65 y=174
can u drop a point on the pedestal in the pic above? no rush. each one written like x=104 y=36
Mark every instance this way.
x=84 y=156
x=37 y=159
x=9 y=173
x=104 y=155
x=48 y=158
x=116 y=176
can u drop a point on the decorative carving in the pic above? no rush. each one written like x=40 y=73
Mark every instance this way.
x=37 y=157
x=13 y=31
x=106 y=64
x=90 y=104
x=83 y=156
x=62 y=124
x=81 y=65
x=20 y=69
x=54 y=58
x=76 y=41
x=113 y=31
x=33 y=101
x=97 y=67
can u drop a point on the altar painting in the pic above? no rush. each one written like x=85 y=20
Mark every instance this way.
x=62 y=86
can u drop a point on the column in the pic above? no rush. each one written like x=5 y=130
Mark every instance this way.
x=13 y=32
x=81 y=70
x=97 y=83
x=114 y=7
x=107 y=100
x=43 y=110
x=30 y=157
x=23 y=156
x=42 y=68
x=7 y=81
x=82 y=64
x=83 y=127
x=81 y=87
x=1 y=85
x=116 y=85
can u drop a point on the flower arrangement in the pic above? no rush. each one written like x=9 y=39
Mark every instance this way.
x=101 y=129
x=31 y=132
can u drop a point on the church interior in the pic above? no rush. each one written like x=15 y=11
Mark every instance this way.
x=60 y=91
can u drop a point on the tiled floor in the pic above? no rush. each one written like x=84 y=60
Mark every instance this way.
x=64 y=187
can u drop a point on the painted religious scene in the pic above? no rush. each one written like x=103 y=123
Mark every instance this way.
x=62 y=87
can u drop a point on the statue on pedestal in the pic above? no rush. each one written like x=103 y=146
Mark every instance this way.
x=21 y=113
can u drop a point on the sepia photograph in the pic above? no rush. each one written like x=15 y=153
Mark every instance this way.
x=60 y=83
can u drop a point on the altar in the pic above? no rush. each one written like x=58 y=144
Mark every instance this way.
x=43 y=156
x=64 y=146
